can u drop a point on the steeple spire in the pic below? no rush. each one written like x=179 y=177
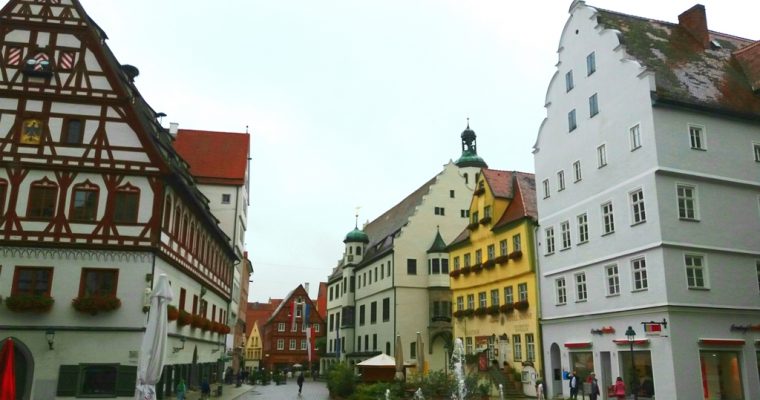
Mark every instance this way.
x=470 y=156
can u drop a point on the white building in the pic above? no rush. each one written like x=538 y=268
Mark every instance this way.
x=648 y=190
x=393 y=278
x=95 y=204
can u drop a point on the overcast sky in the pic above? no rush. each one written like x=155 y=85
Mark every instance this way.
x=354 y=103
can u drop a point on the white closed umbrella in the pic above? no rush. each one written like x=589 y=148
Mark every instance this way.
x=399 y=356
x=153 y=348
x=420 y=354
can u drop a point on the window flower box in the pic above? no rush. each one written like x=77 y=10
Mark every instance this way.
x=455 y=273
x=472 y=225
x=515 y=255
x=477 y=267
x=172 y=313
x=184 y=318
x=225 y=329
x=507 y=308
x=95 y=304
x=480 y=311
x=29 y=303
x=469 y=312
x=502 y=259
x=459 y=313
x=521 y=305
x=493 y=310
x=485 y=220
x=466 y=270
x=479 y=191
x=489 y=264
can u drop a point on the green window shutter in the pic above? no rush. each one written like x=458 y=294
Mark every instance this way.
x=68 y=377
x=126 y=380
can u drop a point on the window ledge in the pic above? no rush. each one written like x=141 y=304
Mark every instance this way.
x=561 y=304
x=698 y=149
x=688 y=219
x=581 y=301
x=699 y=288
x=565 y=249
x=581 y=243
x=549 y=254
x=639 y=290
x=608 y=233
x=613 y=295
x=635 y=148
x=601 y=166
x=638 y=223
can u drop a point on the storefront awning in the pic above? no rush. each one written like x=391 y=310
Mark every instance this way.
x=720 y=342
x=578 y=345
x=636 y=342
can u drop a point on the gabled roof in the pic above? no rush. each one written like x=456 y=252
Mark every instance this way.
x=289 y=299
x=523 y=202
x=214 y=157
x=382 y=229
x=686 y=71
x=500 y=182
x=519 y=188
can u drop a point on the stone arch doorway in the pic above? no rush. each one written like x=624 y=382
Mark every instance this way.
x=24 y=368
x=555 y=372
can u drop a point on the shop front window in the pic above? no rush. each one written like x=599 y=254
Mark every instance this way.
x=721 y=374
x=582 y=363
x=642 y=380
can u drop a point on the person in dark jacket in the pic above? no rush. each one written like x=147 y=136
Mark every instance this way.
x=300 y=382
x=594 y=387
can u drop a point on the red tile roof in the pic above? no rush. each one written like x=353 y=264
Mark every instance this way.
x=214 y=157
x=500 y=182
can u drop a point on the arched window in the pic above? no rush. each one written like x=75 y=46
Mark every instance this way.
x=42 y=198
x=126 y=204
x=191 y=239
x=167 y=213
x=84 y=202
x=3 y=193
x=177 y=214
x=185 y=226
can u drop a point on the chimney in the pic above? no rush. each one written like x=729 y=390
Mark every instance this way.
x=694 y=21
x=173 y=128
x=749 y=59
x=306 y=287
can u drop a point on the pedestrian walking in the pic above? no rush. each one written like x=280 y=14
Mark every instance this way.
x=205 y=389
x=300 y=382
x=574 y=386
x=594 y=387
x=181 y=389
x=619 y=389
x=540 y=390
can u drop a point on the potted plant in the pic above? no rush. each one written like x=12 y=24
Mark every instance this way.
x=95 y=304
x=521 y=305
x=29 y=303
x=455 y=273
x=184 y=318
x=507 y=308
x=172 y=313
x=483 y=389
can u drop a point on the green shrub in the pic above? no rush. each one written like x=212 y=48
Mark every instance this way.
x=341 y=380
x=377 y=391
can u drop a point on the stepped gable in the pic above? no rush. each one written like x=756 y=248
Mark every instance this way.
x=693 y=66
x=382 y=229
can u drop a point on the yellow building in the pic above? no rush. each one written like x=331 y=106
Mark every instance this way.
x=253 y=347
x=493 y=277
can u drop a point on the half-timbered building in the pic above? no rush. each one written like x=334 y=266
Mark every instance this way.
x=95 y=204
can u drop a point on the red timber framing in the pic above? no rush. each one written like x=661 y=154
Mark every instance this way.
x=55 y=68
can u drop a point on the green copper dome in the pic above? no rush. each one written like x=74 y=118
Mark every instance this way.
x=470 y=156
x=356 y=235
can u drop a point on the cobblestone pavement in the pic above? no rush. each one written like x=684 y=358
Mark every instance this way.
x=311 y=391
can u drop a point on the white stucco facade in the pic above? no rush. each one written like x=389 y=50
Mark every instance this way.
x=640 y=270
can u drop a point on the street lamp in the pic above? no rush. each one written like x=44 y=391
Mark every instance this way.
x=631 y=335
